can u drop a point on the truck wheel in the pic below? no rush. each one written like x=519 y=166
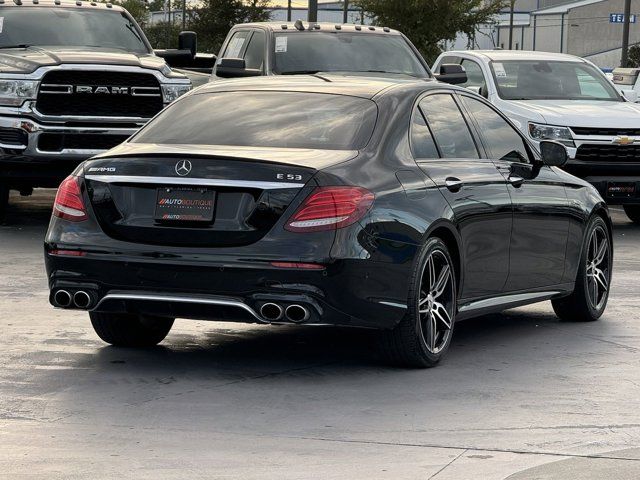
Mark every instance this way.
x=127 y=330
x=423 y=336
x=4 y=201
x=633 y=212
x=589 y=298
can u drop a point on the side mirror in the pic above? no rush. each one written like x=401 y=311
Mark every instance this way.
x=451 y=73
x=235 y=68
x=188 y=41
x=554 y=154
x=630 y=95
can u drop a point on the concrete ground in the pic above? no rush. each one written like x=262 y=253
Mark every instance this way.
x=520 y=396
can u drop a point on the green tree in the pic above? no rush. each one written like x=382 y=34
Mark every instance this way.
x=429 y=22
x=213 y=19
x=633 y=60
x=163 y=34
x=137 y=9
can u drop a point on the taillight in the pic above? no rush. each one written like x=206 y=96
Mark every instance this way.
x=68 y=203
x=330 y=208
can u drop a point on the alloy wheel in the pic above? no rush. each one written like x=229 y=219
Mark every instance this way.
x=598 y=271
x=436 y=302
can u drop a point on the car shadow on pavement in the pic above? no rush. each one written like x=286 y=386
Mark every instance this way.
x=500 y=339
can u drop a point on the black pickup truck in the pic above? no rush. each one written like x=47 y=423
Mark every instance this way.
x=75 y=80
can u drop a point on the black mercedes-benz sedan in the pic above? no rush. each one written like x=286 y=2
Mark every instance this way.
x=399 y=206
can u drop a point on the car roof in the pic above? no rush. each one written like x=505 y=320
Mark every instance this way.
x=356 y=86
x=505 y=55
x=320 y=26
x=59 y=4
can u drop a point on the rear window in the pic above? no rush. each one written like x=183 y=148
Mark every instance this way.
x=265 y=119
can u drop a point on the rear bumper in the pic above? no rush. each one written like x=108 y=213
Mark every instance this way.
x=347 y=292
x=44 y=154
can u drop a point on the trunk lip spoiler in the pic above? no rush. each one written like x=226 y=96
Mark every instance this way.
x=209 y=182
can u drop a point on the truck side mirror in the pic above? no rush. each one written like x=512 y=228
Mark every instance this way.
x=188 y=41
x=451 y=73
x=234 y=68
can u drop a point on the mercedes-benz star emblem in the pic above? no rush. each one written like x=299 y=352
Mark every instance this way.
x=183 y=167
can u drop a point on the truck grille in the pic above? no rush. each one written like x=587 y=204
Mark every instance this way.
x=609 y=153
x=99 y=94
x=13 y=136
x=606 y=131
x=56 y=142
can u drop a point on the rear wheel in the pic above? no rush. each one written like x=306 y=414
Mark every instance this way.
x=633 y=212
x=128 y=330
x=589 y=298
x=423 y=336
x=4 y=200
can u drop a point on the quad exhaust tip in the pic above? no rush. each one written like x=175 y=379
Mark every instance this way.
x=297 y=313
x=82 y=299
x=62 y=298
x=271 y=311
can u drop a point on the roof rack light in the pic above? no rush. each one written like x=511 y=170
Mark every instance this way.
x=299 y=25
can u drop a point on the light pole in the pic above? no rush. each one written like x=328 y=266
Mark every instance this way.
x=289 y=11
x=345 y=15
x=313 y=11
x=625 y=33
x=513 y=2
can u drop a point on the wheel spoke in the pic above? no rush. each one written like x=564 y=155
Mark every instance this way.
x=434 y=334
x=601 y=278
x=602 y=251
x=594 y=291
x=432 y=272
x=441 y=314
x=443 y=279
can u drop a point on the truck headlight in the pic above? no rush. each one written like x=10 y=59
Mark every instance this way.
x=15 y=92
x=540 y=132
x=172 y=91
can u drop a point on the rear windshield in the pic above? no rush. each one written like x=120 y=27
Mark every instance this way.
x=308 y=52
x=265 y=119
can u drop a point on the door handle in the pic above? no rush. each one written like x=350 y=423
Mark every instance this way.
x=453 y=184
x=515 y=180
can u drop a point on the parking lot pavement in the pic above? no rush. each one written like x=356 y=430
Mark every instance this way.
x=520 y=395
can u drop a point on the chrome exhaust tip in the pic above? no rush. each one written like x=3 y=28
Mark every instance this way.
x=82 y=299
x=297 y=313
x=271 y=311
x=62 y=298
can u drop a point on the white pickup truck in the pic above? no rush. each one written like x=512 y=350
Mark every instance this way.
x=568 y=99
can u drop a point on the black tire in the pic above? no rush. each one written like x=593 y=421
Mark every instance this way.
x=406 y=344
x=127 y=330
x=633 y=212
x=4 y=201
x=580 y=306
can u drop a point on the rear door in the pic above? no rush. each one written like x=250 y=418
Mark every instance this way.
x=540 y=222
x=447 y=152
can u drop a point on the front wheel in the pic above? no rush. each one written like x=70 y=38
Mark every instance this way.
x=127 y=330
x=633 y=212
x=589 y=298
x=423 y=336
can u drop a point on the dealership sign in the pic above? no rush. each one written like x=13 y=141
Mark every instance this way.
x=619 y=18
